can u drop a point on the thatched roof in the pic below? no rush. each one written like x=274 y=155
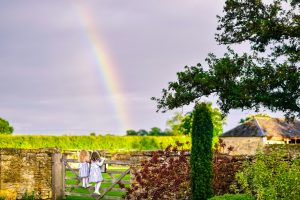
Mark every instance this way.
x=266 y=127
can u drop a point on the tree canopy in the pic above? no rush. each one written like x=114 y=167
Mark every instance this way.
x=5 y=127
x=180 y=124
x=250 y=117
x=272 y=25
x=268 y=76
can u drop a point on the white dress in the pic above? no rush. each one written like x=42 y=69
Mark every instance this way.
x=95 y=172
x=84 y=170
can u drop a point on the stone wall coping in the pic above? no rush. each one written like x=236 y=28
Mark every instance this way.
x=39 y=150
x=150 y=153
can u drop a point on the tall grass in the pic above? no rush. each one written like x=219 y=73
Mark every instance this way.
x=112 y=143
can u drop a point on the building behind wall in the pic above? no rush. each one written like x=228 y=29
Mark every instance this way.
x=260 y=131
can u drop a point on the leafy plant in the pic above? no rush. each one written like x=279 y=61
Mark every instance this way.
x=249 y=117
x=166 y=175
x=92 y=134
x=201 y=153
x=270 y=177
x=27 y=196
x=5 y=127
x=233 y=197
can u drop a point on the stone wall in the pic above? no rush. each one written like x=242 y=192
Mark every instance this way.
x=24 y=170
x=243 y=145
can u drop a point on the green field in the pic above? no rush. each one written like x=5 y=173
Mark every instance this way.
x=110 y=143
x=103 y=185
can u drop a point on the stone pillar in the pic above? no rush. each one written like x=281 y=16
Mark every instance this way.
x=57 y=176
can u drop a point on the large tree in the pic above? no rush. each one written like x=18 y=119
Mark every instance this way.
x=5 y=127
x=268 y=76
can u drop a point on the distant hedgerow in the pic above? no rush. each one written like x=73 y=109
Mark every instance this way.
x=110 y=143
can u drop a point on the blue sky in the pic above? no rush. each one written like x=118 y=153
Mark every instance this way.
x=49 y=84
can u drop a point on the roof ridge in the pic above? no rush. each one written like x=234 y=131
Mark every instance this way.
x=242 y=124
x=259 y=127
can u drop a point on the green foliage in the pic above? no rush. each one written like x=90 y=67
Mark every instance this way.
x=271 y=177
x=263 y=24
x=182 y=124
x=175 y=124
x=233 y=197
x=251 y=80
x=217 y=121
x=187 y=123
x=27 y=196
x=142 y=132
x=131 y=132
x=249 y=117
x=93 y=134
x=5 y=128
x=272 y=27
x=146 y=143
x=234 y=80
x=155 y=131
x=111 y=143
x=201 y=153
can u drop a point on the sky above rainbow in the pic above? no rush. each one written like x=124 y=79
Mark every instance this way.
x=104 y=64
x=82 y=66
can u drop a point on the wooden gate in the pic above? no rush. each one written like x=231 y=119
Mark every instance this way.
x=116 y=179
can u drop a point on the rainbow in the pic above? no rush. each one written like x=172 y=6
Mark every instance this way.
x=104 y=65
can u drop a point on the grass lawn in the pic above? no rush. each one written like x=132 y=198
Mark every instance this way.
x=104 y=185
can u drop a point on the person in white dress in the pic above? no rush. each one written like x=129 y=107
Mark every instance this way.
x=84 y=167
x=95 y=171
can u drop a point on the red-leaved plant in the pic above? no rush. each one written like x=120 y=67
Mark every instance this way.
x=166 y=175
x=224 y=168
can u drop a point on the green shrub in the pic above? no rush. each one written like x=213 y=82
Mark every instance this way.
x=5 y=127
x=271 y=177
x=233 y=197
x=201 y=153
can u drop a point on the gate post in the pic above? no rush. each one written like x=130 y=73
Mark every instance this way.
x=57 y=176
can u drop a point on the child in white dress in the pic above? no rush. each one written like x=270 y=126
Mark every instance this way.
x=95 y=172
x=84 y=167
